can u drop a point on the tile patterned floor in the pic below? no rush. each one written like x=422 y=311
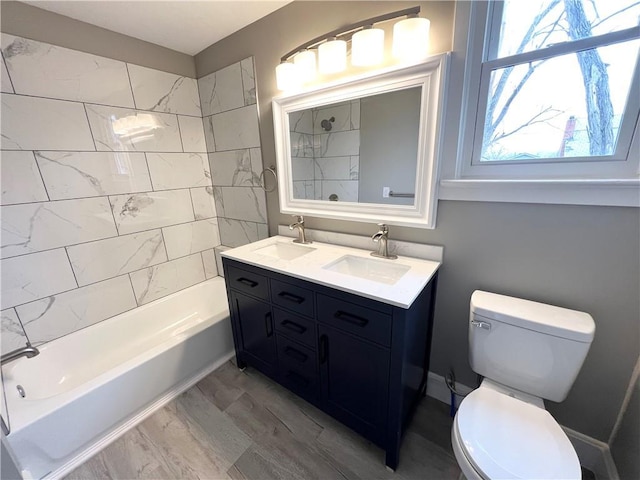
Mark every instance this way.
x=242 y=425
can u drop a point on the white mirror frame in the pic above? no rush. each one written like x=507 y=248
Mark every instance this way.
x=430 y=76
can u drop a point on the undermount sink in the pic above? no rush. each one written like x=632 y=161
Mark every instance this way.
x=368 y=268
x=284 y=251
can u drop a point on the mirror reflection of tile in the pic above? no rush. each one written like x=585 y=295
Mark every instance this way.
x=325 y=150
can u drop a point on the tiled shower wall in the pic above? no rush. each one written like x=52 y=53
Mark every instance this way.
x=230 y=117
x=326 y=162
x=106 y=188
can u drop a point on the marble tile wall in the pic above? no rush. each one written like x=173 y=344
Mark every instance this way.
x=326 y=162
x=230 y=117
x=107 y=201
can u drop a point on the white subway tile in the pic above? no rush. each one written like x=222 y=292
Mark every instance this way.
x=32 y=277
x=178 y=170
x=193 y=237
x=301 y=122
x=161 y=280
x=235 y=233
x=208 y=133
x=45 y=70
x=204 y=205
x=192 y=133
x=339 y=144
x=302 y=145
x=341 y=114
x=222 y=90
x=95 y=261
x=333 y=168
x=236 y=129
x=12 y=333
x=160 y=91
x=34 y=227
x=5 y=81
x=217 y=251
x=236 y=167
x=263 y=231
x=248 y=81
x=243 y=203
x=210 y=265
x=346 y=190
x=92 y=174
x=121 y=129
x=31 y=123
x=20 y=178
x=302 y=168
x=61 y=314
x=145 y=211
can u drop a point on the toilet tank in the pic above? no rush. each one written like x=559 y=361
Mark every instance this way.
x=529 y=346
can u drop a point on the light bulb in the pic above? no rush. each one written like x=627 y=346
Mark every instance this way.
x=332 y=56
x=287 y=76
x=305 y=62
x=411 y=39
x=367 y=47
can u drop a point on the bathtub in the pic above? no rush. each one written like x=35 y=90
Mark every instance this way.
x=87 y=388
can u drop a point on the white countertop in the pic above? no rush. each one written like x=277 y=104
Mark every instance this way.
x=310 y=267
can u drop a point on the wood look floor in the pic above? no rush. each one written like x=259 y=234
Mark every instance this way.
x=242 y=425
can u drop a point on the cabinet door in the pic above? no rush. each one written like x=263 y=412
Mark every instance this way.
x=355 y=381
x=255 y=329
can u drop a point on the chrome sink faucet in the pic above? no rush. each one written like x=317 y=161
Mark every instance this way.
x=299 y=224
x=382 y=239
x=27 y=351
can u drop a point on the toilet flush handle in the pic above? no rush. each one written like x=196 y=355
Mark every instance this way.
x=480 y=324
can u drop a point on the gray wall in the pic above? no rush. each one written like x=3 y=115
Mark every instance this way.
x=581 y=257
x=36 y=24
x=625 y=446
x=388 y=145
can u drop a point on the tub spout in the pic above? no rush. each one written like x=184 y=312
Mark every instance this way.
x=28 y=351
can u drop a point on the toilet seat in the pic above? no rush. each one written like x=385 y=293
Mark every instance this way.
x=503 y=437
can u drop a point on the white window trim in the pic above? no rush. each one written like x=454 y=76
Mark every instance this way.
x=562 y=184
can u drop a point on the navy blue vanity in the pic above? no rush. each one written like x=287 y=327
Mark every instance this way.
x=363 y=361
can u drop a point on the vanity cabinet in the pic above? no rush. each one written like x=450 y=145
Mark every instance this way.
x=362 y=361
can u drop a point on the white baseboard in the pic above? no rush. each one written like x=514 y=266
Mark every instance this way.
x=594 y=455
x=115 y=433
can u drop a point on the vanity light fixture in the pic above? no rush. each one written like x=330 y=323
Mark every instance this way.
x=410 y=43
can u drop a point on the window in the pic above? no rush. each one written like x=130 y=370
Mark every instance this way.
x=551 y=92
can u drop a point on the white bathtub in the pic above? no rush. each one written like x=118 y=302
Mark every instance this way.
x=86 y=389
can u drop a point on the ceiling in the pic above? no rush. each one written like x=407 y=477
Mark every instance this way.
x=183 y=25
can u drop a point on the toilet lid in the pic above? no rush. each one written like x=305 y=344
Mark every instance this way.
x=507 y=438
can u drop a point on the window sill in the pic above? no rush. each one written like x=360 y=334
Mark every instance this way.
x=610 y=192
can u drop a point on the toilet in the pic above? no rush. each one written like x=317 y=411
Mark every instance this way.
x=526 y=352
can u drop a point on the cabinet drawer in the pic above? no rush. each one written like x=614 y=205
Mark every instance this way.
x=361 y=321
x=294 y=355
x=292 y=297
x=298 y=368
x=247 y=282
x=298 y=328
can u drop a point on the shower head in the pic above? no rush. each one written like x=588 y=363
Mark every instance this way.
x=327 y=124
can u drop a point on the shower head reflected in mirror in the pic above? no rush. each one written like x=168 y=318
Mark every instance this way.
x=327 y=124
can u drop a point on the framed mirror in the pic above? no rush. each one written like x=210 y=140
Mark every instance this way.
x=365 y=149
